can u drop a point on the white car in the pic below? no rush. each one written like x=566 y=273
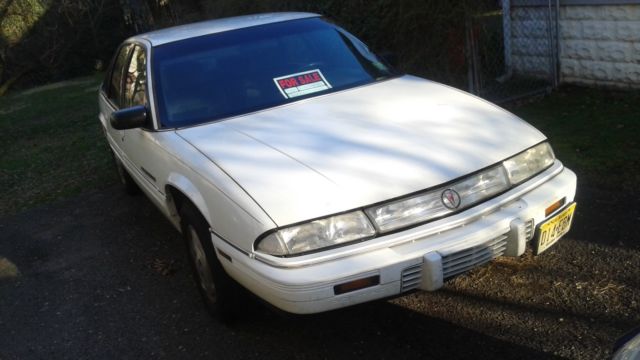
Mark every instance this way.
x=301 y=166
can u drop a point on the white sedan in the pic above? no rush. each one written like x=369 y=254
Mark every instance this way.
x=299 y=165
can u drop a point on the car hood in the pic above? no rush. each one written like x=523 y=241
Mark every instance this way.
x=349 y=149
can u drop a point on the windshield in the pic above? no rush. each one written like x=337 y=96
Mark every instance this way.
x=236 y=72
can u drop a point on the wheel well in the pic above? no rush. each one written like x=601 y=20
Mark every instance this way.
x=175 y=200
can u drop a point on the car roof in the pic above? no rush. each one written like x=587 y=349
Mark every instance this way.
x=182 y=32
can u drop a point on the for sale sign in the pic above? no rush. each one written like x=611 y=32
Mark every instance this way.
x=302 y=83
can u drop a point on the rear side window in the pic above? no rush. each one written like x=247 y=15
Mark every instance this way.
x=115 y=85
x=135 y=86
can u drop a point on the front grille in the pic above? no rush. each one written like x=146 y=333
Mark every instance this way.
x=468 y=259
x=411 y=277
x=528 y=229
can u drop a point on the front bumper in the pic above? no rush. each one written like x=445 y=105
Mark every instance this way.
x=419 y=258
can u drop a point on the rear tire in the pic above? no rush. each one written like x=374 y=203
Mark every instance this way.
x=219 y=292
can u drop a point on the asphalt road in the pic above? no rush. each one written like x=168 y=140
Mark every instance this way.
x=104 y=275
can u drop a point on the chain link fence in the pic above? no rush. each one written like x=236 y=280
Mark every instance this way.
x=512 y=51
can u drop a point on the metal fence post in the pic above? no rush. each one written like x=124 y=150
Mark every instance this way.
x=558 y=70
x=473 y=60
x=506 y=31
x=468 y=47
x=552 y=53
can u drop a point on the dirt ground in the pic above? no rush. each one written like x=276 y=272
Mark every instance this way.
x=103 y=275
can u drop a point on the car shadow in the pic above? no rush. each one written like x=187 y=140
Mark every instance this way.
x=378 y=330
x=106 y=276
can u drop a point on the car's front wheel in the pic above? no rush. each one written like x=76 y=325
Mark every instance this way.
x=219 y=292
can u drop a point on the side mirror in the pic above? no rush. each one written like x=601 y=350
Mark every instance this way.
x=129 y=118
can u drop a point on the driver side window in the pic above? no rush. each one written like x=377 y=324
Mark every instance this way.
x=135 y=81
x=115 y=83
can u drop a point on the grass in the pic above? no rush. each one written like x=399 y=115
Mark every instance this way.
x=51 y=145
x=595 y=132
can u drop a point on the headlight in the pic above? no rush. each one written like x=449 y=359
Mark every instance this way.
x=529 y=163
x=440 y=202
x=317 y=234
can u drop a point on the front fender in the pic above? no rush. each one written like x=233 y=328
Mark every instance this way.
x=184 y=185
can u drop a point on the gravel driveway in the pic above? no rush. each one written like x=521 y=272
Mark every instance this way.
x=104 y=275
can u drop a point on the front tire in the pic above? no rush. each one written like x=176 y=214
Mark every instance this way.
x=219 y=292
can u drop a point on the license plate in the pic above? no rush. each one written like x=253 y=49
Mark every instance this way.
x=553 y=229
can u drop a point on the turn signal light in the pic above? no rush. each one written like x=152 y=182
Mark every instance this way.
x=555 y=206
x=356 y=285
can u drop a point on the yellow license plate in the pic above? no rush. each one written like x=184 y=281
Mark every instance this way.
x=553 y=229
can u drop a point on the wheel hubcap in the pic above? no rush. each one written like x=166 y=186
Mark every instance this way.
x=202 y=265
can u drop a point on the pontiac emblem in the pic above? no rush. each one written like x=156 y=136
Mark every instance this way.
x=450 y=199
